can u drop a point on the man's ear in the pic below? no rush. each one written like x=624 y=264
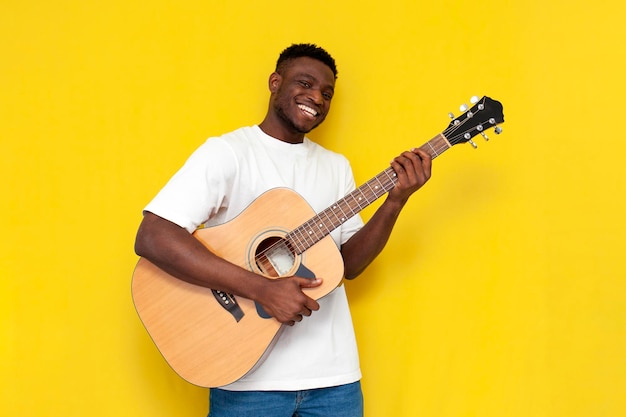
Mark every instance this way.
x=274 y=81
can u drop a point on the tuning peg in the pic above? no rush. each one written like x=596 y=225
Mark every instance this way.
x=498 y=130
x=474 y=99
x=451 y=115
x=469 y=139
x=464 y=107
x=480 y=129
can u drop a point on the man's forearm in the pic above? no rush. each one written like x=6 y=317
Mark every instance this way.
x=178 y=253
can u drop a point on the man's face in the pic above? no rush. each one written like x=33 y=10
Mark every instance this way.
x=302 y=94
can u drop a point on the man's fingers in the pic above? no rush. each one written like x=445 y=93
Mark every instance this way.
x=292 y=304
x=414 y=165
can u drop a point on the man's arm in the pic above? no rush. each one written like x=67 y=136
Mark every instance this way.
x=413 y=170
x=174 y=250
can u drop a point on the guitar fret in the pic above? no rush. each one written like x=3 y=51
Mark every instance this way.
x=433 y=149
x=357 y=199
x=372 y=187
x=335 y=219
x=345 y=216
x=340 y=219
x=324 y=224
x=297 y=238
x=436 y=146
x=391 y=178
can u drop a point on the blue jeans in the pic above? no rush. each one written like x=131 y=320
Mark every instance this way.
x=340 y=401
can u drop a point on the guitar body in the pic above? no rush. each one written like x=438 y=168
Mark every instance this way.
x=200 y=338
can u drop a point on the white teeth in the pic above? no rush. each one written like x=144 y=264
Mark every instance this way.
x=307 y=109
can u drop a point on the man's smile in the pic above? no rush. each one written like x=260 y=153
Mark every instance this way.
x=308 y=111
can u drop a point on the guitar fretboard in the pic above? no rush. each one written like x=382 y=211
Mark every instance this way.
x=319 y=226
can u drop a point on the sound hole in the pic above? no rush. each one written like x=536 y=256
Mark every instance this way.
x=274 y=257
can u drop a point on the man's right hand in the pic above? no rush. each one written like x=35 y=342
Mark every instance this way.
x=283 y=299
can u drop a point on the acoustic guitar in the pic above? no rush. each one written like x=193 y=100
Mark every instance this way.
x=211 y=338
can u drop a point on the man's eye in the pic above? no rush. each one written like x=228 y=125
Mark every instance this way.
x=305 y=84
x=328 y=96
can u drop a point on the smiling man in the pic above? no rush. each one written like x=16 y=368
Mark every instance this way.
x=313 y=367
x=302 y=90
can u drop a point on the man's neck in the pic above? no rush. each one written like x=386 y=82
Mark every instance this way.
x=281 y=133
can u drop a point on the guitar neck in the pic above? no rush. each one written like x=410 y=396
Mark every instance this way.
x=322 y=224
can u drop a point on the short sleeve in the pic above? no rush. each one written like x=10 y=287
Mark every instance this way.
x=200 y=188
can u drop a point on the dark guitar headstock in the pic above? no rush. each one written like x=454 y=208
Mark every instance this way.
x=485 y=114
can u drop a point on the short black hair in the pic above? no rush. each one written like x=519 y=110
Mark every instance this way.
x=305 y=50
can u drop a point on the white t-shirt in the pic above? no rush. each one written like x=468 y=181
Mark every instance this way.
x=218 y=181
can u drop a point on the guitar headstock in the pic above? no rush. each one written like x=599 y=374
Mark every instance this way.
x=486 y=113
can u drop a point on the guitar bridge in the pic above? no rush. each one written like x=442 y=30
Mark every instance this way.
x=229 y=303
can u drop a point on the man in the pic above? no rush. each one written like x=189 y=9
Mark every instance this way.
x=313 y=368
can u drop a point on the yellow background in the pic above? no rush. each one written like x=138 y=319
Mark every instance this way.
x=502 y=291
